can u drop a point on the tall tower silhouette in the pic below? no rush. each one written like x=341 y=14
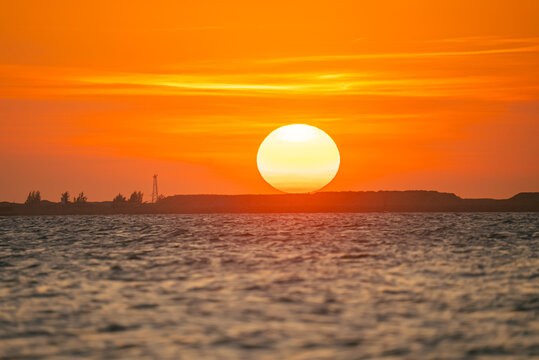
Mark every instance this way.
x=155 y=193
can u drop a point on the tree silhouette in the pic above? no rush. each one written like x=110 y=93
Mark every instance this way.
x=64 y=199
x=136 y=197
x=119 y=199
x=34 y=197
x=80 y=199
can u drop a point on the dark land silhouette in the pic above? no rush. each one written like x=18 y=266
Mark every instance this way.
x=362 y=201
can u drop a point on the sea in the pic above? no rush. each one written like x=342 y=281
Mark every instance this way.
x=270 y=286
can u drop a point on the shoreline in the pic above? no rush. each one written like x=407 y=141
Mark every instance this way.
x=322 y=202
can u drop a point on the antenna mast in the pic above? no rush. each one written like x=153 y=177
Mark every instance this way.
x=155 y=193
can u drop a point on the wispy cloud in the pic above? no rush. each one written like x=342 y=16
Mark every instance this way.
x=489 y=40
x=303 y=76
x=298 y=84
x=401 y=55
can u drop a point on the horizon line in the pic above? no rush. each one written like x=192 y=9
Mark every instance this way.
x=307 y=193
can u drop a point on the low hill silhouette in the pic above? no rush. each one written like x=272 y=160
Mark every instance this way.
x=350 y=201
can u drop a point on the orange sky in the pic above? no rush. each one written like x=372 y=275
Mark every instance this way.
x=440 y=95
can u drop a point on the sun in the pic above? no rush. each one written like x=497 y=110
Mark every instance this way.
x=298 y=158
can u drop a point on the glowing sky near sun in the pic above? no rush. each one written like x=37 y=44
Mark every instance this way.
x=99 y=96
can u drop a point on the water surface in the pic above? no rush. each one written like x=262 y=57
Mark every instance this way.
x=295 y=286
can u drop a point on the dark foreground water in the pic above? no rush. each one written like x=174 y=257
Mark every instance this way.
x=289 y=286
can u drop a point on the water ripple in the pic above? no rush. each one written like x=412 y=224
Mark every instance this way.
x=295 y=286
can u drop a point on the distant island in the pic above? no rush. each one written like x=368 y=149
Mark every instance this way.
x=353 y=201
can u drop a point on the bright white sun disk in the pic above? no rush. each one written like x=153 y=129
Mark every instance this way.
x=298 y=158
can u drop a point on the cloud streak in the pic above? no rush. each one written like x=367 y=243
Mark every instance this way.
x=302 y=76
x=413 y=55
x=300 y=84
